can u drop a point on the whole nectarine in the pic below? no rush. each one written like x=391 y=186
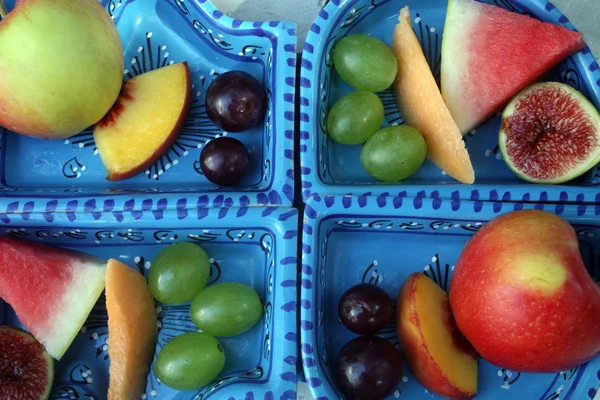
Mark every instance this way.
x=522 y=296
x=61 y=67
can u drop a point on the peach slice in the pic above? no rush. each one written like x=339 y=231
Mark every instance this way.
x=144 y=122
x=132 y=331
x=433 y=349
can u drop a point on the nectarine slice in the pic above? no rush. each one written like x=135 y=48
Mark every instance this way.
x=144 y=122
x=132 y=331
x=433 y=349
x=422 y=106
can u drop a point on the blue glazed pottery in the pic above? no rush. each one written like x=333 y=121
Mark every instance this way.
x=381 y=240
x=156 y=33
x=256 y=247
x=332 y=168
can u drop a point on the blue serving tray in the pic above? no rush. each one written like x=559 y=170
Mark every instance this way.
x=255 y=246
x=381 y=240
x=156 y=33
x=332 y=168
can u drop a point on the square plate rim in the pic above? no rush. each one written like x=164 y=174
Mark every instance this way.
x=281 y=222
x=309 y=175
x=319 y=209
x=280 y=190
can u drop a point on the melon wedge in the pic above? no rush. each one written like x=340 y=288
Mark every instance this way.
x=422 y=106
x=490 y=54
x=132 y=331
x=51 y=290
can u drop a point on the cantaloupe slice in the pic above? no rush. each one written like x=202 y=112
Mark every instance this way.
x=422 y=106
x=132 y=331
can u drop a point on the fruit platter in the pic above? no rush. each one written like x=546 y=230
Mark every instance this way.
x=389 y=264
x=481 y=57
x=192 y=209
x=154 y=144
x=97 y=316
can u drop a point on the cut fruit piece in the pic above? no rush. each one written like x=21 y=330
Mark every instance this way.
x=550 y=133
x=489 y=54
x=26 y=369
x=51 y=290
x=421 y=104
x=432 y=345
x=132 y=331
x=144 y=122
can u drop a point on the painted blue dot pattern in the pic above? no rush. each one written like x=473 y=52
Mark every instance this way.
x=257 y=249
x=380 y=240
x=212 y=43
x=336 y=169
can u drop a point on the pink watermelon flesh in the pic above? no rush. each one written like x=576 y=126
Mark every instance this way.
x=51 y=290
x=490 y=54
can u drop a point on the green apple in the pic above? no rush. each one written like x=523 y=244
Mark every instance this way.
x=61 y=67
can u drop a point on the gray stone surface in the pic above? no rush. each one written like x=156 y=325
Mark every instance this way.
x=585 y=15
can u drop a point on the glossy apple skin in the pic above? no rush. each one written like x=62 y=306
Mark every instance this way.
x=522 y=296
x=61 y=67
x=415 y=349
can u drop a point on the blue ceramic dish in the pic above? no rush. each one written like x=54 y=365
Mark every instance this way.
x=331 y=168
x=381 y=240
x=156 y=33
x=256 y=247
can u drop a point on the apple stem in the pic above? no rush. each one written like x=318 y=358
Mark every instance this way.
x=3 y=10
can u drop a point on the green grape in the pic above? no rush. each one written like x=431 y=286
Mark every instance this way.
x=190 y=361
x=394 y=153
x=226 y=309
x=355 y=118
x=179 y=273
x=365 y=63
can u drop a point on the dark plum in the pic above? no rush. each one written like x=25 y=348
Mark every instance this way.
x=368 y=368
x=224 y=161
x=365 y=309
x=235 y=101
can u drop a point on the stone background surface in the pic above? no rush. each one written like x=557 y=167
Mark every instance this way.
x=585 y=15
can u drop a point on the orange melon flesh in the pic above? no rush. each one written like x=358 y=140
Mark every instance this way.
x=132 y=331
x=422 y=106
x=144 y=122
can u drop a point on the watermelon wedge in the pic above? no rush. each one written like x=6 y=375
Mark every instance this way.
x=52 y=290
x=490 y=54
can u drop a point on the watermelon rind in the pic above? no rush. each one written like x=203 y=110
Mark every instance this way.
x=586 y=106
x=82 y=294
x=453 y=67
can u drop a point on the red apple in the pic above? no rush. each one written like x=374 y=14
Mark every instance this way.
x=522 y=296
x=144 y=122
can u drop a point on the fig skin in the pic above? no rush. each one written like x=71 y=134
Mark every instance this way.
x=540 y=148
x=30 y=353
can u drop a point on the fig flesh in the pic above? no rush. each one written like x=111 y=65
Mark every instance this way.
x=550 y=134
x=26 y=369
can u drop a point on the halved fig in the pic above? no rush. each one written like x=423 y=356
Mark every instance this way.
x=550 y=134
x=26 y=369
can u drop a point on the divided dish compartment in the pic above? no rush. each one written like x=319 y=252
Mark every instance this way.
x=332 y=168
x=382 y=240
x=256 y=248
x=156 y=33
